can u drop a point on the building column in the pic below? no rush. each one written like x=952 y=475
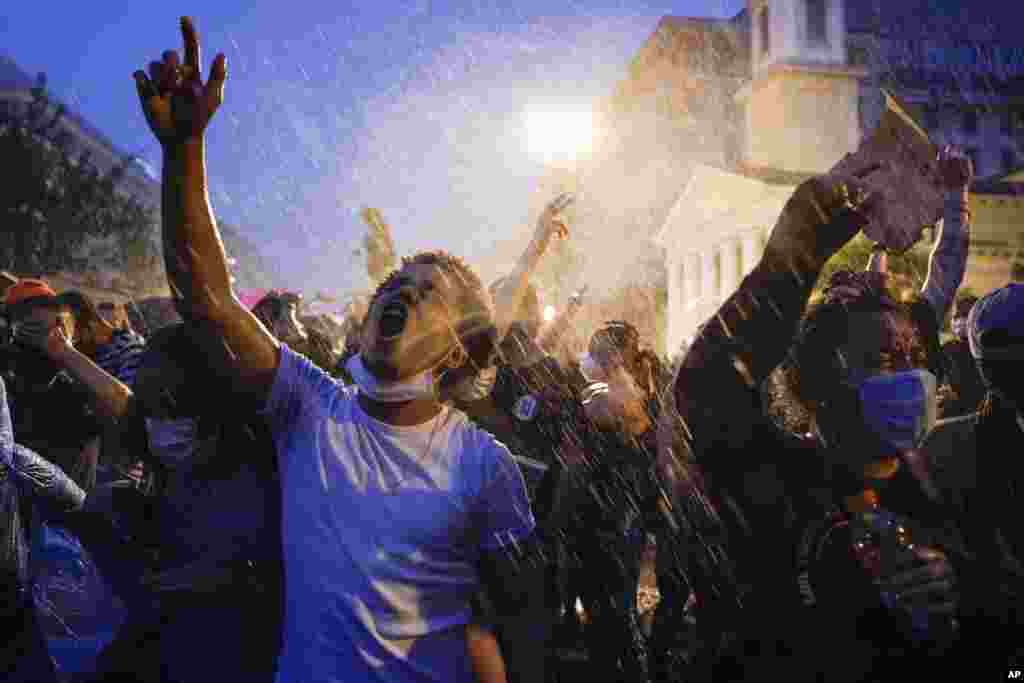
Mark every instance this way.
x=707 y=274
x=730 y=268
x=676 y=300
x=751 y=252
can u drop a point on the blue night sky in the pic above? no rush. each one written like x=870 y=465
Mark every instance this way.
x=416 y=108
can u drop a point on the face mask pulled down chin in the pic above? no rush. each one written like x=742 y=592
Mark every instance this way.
x=900 y=408
x=171 y=442
x=420 y=386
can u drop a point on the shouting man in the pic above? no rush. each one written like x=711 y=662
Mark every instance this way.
x=395 y=507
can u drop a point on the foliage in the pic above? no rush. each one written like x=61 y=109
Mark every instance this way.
x=55 y=202
x=380 y=247
x=907 y=271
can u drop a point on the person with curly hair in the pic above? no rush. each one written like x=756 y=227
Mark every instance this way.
x=867 y=368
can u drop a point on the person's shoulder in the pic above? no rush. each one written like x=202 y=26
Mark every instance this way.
x=475 y=441
x=307 y=377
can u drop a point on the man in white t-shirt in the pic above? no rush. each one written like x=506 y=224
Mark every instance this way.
x=395 y=508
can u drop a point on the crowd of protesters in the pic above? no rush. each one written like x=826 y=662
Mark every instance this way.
x=426 y=492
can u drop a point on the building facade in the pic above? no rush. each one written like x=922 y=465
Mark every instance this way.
x=803 y=80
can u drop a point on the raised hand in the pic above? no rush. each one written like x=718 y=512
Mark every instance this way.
x=956 y=170
x=822 y=215
x=551 y=222
x=51 y=340
x=177 y=104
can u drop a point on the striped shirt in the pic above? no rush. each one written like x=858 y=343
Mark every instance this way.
x=121 y=356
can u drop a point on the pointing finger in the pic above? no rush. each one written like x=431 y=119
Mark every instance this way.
x=191 y=39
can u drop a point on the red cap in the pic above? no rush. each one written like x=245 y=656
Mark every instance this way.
x=28 y=288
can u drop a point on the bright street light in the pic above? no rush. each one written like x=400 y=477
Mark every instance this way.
x=559 y=136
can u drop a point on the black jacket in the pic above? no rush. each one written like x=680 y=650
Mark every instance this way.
x=31 y=488
x=775 y=491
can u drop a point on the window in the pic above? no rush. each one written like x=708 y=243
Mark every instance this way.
x=766 y=32
x=1009 y=159
x=817 y=22
x=970 y=122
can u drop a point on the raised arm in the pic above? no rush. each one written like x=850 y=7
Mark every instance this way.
x=508 y=299
x=108 y=395
x=716 y=386
x=948 y=261
x=178 y=107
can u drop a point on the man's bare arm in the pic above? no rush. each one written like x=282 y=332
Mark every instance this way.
x=178 y=107
x=948 y=261
x=109 y=396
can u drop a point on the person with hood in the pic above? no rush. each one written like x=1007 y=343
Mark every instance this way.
x=995 y=333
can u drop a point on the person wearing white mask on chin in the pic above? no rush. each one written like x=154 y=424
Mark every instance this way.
x=395 y=508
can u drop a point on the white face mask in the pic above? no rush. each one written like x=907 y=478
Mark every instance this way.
x=416 y=387
x=901 y=408
x=477 y=386
x=172 y=442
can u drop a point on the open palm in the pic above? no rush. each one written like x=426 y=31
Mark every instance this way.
x=176 y=102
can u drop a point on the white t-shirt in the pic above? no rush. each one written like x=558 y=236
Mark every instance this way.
x=382 y=529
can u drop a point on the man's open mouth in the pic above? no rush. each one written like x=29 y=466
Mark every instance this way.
x=393 y=319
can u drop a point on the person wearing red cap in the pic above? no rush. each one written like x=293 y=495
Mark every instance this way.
x=49 y=378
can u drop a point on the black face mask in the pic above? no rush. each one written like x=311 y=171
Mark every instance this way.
x=33 y=366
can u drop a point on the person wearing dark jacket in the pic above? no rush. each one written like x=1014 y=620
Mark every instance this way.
x=213 y=588
x=994 y=531
x=965 y=380
x=31 y=489
x=819 y=604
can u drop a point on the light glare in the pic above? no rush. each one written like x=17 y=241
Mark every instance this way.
x=559 y=136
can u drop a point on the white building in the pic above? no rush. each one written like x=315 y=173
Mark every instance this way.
x=814 y=69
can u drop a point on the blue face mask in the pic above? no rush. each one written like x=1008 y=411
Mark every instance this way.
x=172 y=442
x=901 y=408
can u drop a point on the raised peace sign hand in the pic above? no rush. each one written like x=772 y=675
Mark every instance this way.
x=177 y=104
